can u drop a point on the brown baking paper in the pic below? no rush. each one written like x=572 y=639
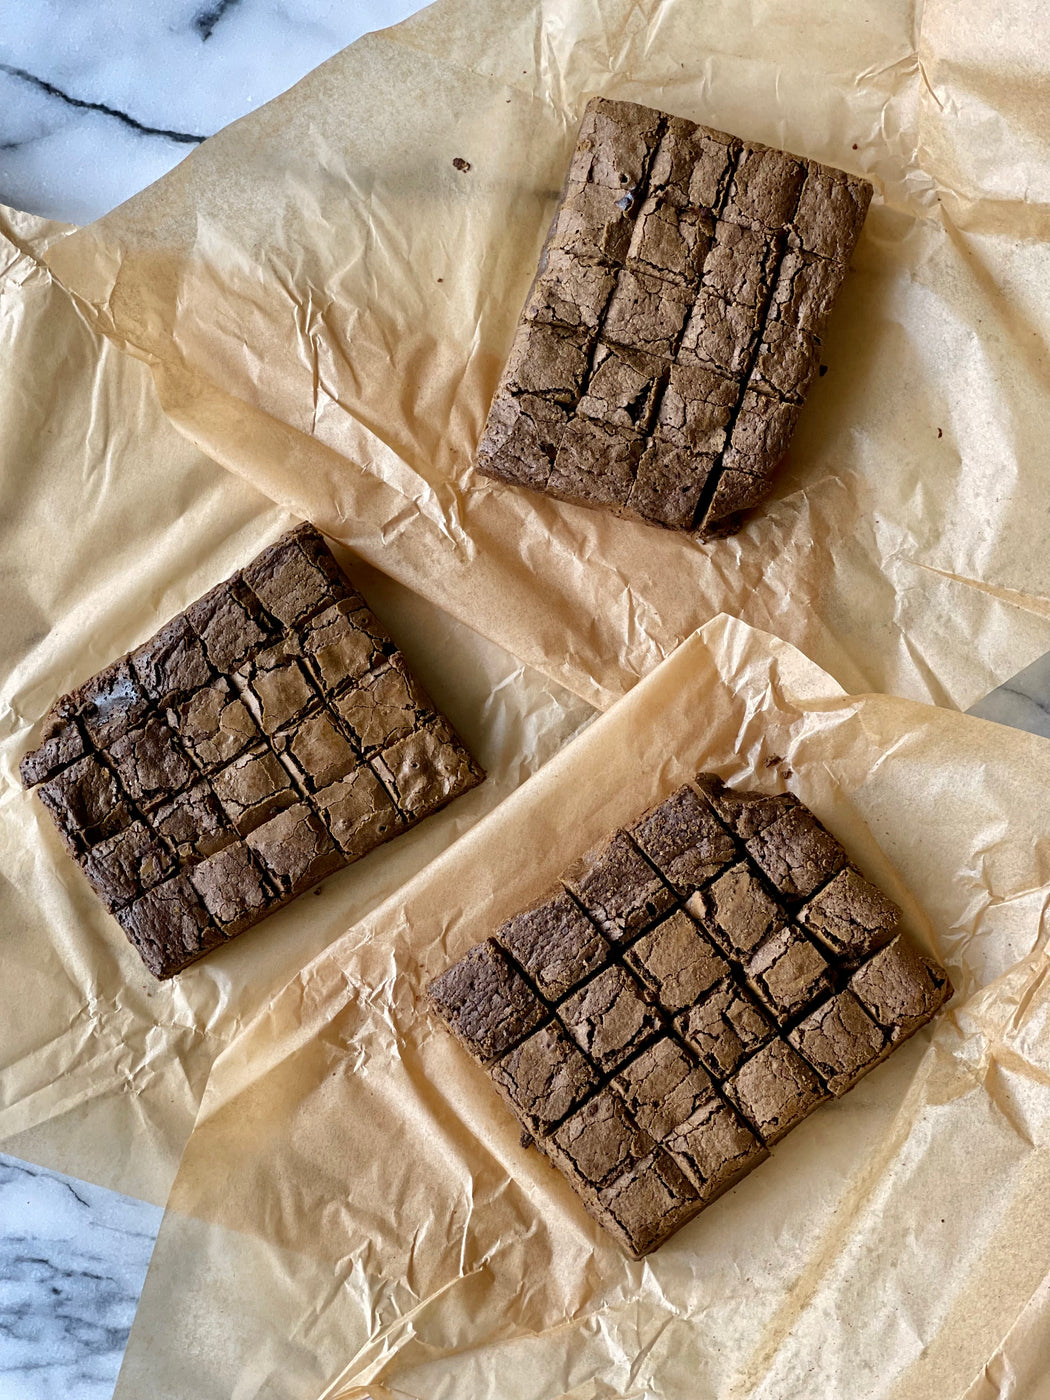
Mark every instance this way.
x=355 y=1215
x=326 y=301
x=112 y=523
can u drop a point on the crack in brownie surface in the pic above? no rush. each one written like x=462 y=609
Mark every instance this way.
x=265 y=737
x=697 y=254
x=698 y=986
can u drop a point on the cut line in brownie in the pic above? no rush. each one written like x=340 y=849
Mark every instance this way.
x=264 y=738
x=690 y=992
x=673 y=329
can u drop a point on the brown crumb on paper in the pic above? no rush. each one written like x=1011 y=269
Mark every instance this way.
x=461 y=164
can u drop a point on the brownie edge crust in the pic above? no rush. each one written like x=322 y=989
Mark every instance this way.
x=264 y=738
x=674 y=325
x=684 y=998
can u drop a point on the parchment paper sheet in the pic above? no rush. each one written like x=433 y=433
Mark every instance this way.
x=354 y=1213
x=112 y=522
x=326 y=303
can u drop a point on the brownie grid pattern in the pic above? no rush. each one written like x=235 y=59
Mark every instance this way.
x=674 y=326
x=685 y=998
x=261 y=740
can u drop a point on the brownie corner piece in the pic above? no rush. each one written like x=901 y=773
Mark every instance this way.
x=169 y=927
x=900 y=988
x=297 y=575
x=61 y=743
x=427 y=769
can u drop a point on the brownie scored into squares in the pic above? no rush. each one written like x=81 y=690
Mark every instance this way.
x=264 y=738
x=689 y=993
x=674 y=325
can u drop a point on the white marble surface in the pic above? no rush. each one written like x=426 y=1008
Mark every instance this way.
x=73 y=1259
x=98 y=98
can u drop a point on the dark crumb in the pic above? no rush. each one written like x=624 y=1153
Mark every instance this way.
x=441 y=279
x=940 y=432
x=785 y=772
x=773 y=760
x=460 y=163
x=823 y=371
x=526 y=1140
x=318 y=889
x=854 y=145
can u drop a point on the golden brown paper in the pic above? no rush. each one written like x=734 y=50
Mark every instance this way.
x=355 y=1215
x=113 y=522
x=326 y=302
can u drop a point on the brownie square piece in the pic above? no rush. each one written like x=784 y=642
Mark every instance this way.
x=230 y=623
x=226 y=725
x=609 y=1017
x=169 y=927
x=620 y=890
x=840 y=1040
x=383 y=707
x=319 y=751
x=775 y=1089
x=213 y=725
x=796 y=854
x=737 y=910
x=486 y=1004
x=359 y=812
x=677 y=252
x=900 y=989
x=663 y=1087
x=555 y=943
x=295 y=850
x=343 y=643
x=426 y=769
x=725 y=1027
x=86 y=803
x=788 y=973
x=684 y=840
x=173 y=662
x=123 y=866
x=715 y=1148
x=686 y=1042
x=150 y=762
x=850 y=917
x=277 y=688
x=254 y=788
x=676 y=962
x=544 y=1078
x=233 y=888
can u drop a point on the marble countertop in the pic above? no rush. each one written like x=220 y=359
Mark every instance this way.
x=97 y=99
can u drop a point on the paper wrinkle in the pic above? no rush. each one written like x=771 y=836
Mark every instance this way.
x=350 y=1155
x=355 y=383
x=102 y=1068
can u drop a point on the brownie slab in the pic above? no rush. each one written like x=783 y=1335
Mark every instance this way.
x=696 y=988
x=674 y=325
x=261 y=740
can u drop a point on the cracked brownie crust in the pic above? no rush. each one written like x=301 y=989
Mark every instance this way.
x=684 y=998
x=674 y=326
x=264 y=738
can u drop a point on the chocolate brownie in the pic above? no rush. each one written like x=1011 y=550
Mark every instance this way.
x=698 y=985
x=675 y=322
x=263 y=739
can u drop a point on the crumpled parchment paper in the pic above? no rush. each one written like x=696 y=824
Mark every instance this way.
x=326 y=301
x=354 y=1214
x=112 y=523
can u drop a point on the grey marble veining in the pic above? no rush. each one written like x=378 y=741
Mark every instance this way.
x=73 y=1259
x=98 y=98
x=1022 y=702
